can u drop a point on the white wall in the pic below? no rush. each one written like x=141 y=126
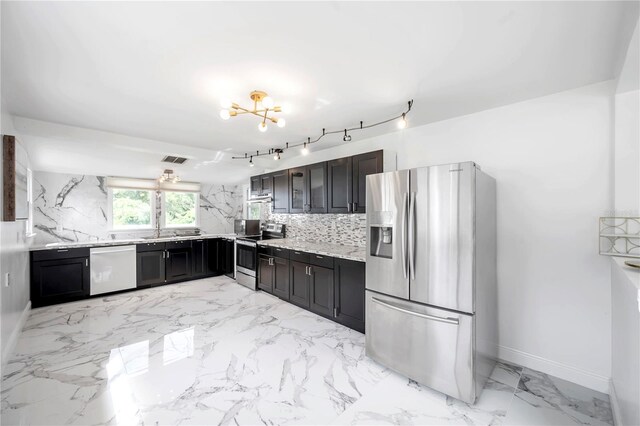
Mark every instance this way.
x=625 y=282
x=74 y=208
x=14 y=260
x=551 y=159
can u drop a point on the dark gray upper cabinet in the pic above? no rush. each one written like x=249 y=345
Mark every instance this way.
x=363 y=165
x=280 y=192
x=317 y=188
x=266 y=184
x=308 y=189
x=336 y=186
x=261 y=184
x=339 y=178
x=297 y=189
x=255 y=185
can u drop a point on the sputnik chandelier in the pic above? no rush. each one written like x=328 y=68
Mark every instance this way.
x=263 y=104
x=305 y=145
x=168 y=176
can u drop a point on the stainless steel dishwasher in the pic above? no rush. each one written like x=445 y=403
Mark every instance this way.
x=112 y=269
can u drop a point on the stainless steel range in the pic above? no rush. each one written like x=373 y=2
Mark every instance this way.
x=431 y=276
x=247 y=253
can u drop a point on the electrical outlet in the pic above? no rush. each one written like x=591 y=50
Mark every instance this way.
x=7 y=279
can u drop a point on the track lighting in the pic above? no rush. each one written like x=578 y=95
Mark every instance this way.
x=403 y=122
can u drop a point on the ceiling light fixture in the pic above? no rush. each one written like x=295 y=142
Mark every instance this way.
x=403 y=122
x=305 y=146
x=263 y=104
x=251 y=162
x=168 y=176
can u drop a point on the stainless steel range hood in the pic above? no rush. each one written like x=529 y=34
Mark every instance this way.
x=260 y=199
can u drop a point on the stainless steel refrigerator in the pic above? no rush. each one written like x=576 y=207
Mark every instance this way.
x=431 y=276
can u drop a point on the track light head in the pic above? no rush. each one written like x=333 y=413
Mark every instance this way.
x=346 y=138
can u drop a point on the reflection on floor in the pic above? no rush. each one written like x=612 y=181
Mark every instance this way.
x=214 y=352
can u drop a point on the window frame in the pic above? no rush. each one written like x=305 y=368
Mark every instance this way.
x=163 y=215
x=133 y=228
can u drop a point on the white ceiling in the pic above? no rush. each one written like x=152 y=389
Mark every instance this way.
x=159 y=70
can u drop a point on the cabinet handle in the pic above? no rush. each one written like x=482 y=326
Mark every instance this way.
x=309 y=270
x=62 y=251
x=168 y=254
x=319 y=257
x=348 y=207
x=86 y=262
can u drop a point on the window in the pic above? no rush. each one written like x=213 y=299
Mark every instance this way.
x=180 y=209
x=132 y=209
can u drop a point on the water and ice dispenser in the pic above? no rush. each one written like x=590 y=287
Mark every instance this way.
x=381 y=241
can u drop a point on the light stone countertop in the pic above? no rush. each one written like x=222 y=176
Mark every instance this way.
x=317 y=247
x=104 y=243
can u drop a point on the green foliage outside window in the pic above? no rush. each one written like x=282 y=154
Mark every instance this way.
x=180 y=208
x=131 y=208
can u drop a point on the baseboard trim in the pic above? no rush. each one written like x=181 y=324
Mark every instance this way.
x=615 y=407
x=554 y=368
x=10 y=347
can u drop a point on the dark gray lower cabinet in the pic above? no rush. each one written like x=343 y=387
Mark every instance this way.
x=299 y=283
x=178 y=264
x=281 y=278
x=151 y=268
x=333 y=288
x=59 y=280
x=321 y=290
x=266 y=273
x=349 y=285
x=214 y=264
x=199 y=254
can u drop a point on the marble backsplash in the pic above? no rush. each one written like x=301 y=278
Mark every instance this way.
x=74 y=208
x=347 y=229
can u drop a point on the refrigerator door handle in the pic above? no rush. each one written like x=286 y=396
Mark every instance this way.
x=447 y=320
x=405 y=203
x=412 y=235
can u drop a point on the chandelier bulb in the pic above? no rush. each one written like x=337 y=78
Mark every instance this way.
x=262 y=127
x=267 y=102
x=225 y=114
x=281 y=122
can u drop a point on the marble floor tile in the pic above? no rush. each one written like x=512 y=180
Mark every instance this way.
x=544 y=399
x=213 y=352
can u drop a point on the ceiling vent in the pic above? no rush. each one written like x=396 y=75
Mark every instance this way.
x=174 y=160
